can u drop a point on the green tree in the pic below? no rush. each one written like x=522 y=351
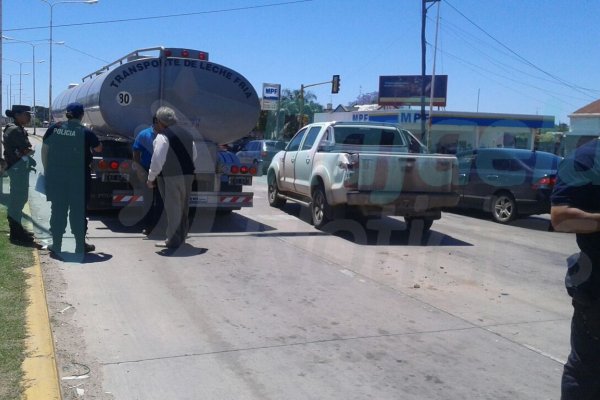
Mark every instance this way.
x=365 y=98
x=290 y=110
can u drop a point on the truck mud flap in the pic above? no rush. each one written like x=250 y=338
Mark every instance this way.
x=221 y=200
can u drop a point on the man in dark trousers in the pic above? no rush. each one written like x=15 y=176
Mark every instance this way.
x=17 y=154
x=143 y=147
x=172 y=166
x=66 y=155
x=576 y=209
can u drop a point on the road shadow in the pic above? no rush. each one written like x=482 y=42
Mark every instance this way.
x=201 y=221
x=89 y=258
x=384 y=231
x=534 y=222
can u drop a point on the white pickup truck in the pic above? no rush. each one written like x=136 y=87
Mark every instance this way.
x=372 y=169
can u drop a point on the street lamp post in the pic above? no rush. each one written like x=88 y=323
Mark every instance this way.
x=51 y=5
x=20 y=74
x=33 y=62
x=10 y=87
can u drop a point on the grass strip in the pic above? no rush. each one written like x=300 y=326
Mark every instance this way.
x=13 y=304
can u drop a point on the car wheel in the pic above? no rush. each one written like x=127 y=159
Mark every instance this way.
x=411 y=222
x=504 y=208
x=273 y=193
x=320 y=209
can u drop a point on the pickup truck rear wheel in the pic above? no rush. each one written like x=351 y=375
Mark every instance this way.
x=417 y=222
x=273 y=193
x=321 y=210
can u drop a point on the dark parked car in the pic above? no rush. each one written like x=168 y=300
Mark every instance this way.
x=507 y=182
x=260 y=151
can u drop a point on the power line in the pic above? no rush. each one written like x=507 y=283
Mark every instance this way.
x=496 y=62
x=84 y=53
x=571 y=86
x=224 y=10
x=474 y=67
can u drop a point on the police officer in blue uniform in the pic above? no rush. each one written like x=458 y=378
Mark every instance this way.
x=576 y=208
x=17 y=154
x=66 y=155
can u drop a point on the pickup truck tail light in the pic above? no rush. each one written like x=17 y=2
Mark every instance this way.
x=351 y=172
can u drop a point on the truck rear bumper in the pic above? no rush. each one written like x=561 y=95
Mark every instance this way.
x=403 y=203
x=221 y=200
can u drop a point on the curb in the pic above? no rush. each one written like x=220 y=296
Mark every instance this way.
x=39 y=367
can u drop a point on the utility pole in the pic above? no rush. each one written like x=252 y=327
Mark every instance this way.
x=1 y=153
x=424 y=9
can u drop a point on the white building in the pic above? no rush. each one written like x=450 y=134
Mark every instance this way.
x=586 y=120
x=585 y=125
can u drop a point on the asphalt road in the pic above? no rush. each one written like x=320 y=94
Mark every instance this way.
x=260 y=305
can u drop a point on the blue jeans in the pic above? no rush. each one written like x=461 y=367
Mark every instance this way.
x=581 y=375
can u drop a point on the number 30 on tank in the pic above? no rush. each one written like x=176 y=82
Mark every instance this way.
x=124 y=98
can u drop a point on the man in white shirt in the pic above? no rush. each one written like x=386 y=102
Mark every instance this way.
x=172 y=166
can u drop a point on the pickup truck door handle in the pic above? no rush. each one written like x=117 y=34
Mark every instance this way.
x=492 y=177
x=463 y=175
x=293 y=160
x=308 y=160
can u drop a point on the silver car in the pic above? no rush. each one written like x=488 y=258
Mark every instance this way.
x=260 y=152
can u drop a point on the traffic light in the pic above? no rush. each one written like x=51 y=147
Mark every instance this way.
x=335 y=84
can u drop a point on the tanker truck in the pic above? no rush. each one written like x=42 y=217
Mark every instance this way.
x=216 y=104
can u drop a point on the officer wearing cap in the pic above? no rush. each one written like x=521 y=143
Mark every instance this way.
x=17 y=154
x=66 y=155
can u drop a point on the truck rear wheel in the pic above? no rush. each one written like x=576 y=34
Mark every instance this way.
x=320 y=208
x=273 y=193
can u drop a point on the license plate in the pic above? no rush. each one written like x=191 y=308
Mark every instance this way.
x=115 y=177
x=196 y=199
x=240 y=180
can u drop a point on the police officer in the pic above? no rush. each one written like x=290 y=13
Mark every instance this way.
x=576 y=208
x=17 y=154
x=66 y=155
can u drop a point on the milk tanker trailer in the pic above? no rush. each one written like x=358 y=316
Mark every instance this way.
x=213 y=102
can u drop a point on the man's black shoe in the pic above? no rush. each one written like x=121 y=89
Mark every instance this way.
x=22 y=240
x=87 y=248
x=55 y=254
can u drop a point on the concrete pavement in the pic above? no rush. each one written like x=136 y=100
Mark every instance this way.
x=260 y=305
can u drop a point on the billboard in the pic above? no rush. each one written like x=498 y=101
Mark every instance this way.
x=270 y=96
x=405 y=90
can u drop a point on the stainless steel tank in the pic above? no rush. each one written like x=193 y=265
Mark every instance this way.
x=214 y=102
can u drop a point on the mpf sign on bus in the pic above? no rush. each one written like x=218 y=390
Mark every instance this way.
x=271 y=96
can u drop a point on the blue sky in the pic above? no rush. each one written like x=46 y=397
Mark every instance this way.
x=521 y=56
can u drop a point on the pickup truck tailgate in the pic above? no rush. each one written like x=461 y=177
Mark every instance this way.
x=422 y=173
